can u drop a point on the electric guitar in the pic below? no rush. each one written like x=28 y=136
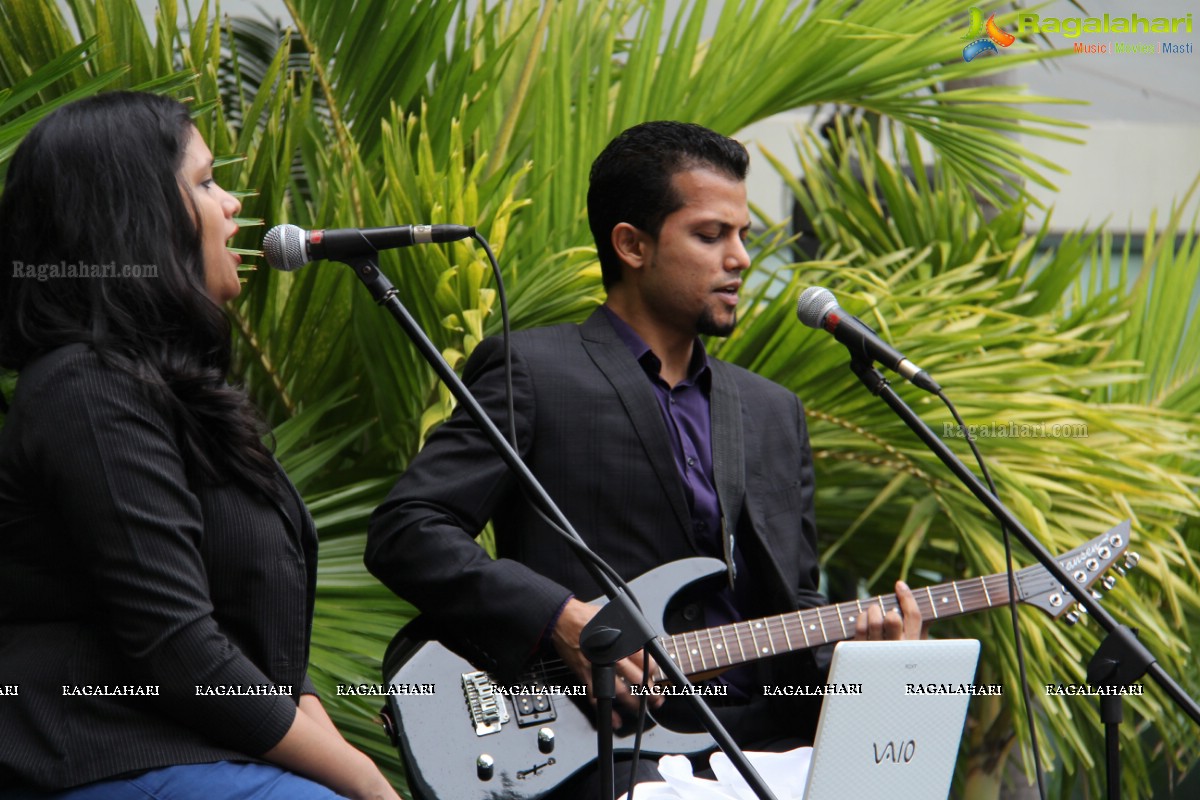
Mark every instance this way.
x=464 y=737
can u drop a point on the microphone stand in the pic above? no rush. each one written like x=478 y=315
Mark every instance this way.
x=619 y=629
x=1121 y=658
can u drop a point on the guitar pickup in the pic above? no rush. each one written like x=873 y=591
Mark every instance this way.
x=486 y=707
x=533 y=708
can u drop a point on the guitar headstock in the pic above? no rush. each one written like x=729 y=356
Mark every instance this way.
x=1086 y=565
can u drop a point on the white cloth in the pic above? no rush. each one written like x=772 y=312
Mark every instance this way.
x=784 y=773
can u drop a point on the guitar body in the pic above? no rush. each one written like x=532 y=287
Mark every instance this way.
x=437 y=733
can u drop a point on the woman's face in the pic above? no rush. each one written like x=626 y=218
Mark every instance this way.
x=216 y=208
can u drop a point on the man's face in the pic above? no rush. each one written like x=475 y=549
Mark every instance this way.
x=692 y=274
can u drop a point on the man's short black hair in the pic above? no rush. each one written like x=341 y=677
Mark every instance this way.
x=630 y=180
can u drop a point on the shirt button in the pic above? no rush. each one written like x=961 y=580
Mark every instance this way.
x=691 y=462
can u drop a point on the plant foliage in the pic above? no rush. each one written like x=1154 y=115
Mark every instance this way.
x=372 y=112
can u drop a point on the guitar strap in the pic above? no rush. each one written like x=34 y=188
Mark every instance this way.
x=729 y=458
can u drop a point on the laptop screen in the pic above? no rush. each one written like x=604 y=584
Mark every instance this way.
x=892 y=719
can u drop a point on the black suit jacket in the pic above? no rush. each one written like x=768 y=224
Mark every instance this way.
x=590 y=428
x=116 y=571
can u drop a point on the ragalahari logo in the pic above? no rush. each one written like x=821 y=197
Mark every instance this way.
x=984 y=37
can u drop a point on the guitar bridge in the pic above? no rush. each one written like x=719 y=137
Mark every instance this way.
x=487 y=708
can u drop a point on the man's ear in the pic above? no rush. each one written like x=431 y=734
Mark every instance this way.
x=630 y=244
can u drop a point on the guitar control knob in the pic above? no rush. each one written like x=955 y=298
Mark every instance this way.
x=485 y=765
x=546 y=740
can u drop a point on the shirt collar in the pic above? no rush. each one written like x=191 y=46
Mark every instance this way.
x=698 y=369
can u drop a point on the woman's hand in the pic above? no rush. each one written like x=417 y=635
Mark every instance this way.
x=312 y=747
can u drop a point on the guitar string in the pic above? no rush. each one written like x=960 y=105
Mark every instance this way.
x=969 y=594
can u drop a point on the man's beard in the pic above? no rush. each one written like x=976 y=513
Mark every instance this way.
x=706 y=325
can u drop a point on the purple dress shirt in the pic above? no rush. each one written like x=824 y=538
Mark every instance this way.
x=686 y=411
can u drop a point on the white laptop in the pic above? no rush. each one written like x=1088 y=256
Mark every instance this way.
x=899 y=738
x=895 y=738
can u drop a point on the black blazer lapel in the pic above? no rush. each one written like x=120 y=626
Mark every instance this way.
x=613 y=358
x=729 y=456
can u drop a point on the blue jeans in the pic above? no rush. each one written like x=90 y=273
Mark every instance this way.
x=224 y=780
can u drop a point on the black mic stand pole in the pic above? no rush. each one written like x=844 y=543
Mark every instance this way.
x=1121 y=658
x=619 y=629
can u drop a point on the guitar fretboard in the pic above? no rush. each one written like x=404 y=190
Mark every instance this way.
x=710 y=649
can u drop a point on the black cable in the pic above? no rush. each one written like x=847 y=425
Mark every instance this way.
x=577 y=546
x=1012 y=597
x=643 y=706
x=508 y=387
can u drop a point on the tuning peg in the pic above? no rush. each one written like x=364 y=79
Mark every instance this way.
x=1071 y=618
x=1120 y=570
x=1131 y=560
x=1096 y=596
x=1109 y=581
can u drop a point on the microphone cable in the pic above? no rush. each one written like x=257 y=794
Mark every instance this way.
x=575 y=544
x=1012 y=597
x=578 y=546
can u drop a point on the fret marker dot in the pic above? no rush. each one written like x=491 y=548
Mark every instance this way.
x=694 y=652
x=718 y=647
x=758 y=625
x=852 y=619
x=764 y=650
x=812 y=627
x=945 y=599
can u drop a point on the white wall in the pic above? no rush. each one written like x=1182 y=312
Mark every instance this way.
x=1141 y=148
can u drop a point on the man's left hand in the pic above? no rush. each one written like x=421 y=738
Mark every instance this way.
x=874 y=625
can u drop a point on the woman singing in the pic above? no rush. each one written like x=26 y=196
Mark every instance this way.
x=157 y=568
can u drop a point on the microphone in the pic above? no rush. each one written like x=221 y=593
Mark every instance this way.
x=289 y=247
x=818 y=308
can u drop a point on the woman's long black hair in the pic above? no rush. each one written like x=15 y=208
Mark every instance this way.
x=94 y=187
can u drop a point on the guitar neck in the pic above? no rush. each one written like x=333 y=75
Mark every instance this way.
x=714 y=649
